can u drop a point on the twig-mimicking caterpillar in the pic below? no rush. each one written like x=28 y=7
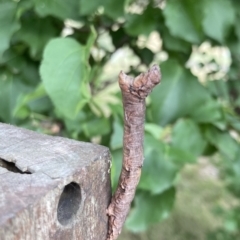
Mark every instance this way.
x=134 y=92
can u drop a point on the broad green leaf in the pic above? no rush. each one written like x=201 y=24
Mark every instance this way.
x=113 y=9
x=145 y=54
x=59 y=8
x=187 y=136
x=8 y=24
x=117 y=136
x=18 y=63
x=36 y=36
x=87 y=7
x=11 y=89
x=183 y=19
x=219 y=16
x=96 y=127
x=218 y=89
x=237 y=27
x=172 y=43
x=30 y=73
x=116 y=166
x=7 y=56
x=74 y=126
x=64 y=71
x=153 y=129
x=151 y=144
x=144 y=23
x=236 y=6
x=149 y=209
x=179 y=157
x=158 y=174
x=35 y=101
x=233 y=44
x=178 y=95
x=232 y=174
x=166 y=105
x=234 y=121
x=23 y=6
x=207 y=112
x=223 y=142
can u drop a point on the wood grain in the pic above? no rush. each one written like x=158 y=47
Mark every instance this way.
x=29 y=203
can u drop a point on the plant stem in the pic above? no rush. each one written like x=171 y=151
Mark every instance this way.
x=134 y=92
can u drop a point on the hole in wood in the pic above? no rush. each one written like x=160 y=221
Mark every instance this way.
x=69 y=203
x=10 y=166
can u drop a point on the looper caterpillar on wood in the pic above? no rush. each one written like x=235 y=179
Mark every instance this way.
x=134 y=92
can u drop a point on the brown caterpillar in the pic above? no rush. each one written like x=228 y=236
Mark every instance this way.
x=134 y=92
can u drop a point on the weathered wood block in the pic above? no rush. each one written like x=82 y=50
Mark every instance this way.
x=52 y=187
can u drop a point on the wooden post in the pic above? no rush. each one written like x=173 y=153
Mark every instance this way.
x=52 y=187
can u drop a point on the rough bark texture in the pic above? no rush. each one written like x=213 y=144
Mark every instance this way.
x=64 y=194
x=134 y=92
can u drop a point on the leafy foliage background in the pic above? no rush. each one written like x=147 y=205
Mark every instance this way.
x=54 y=57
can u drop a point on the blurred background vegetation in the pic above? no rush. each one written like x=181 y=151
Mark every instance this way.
x=59 y=62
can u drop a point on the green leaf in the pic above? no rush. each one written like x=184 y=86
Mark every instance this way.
x=208 y=112
x=158 y=174
x=183 y=19
x=17 y=63
x=35 y=101
x=223 y=141
x=236 y=25
x=233 y=44
x=219 y=16
x=88 y=7
x=8 y=24
x=236 y=6
x=153 y=129
x=23 y=6
x=116 y=166
x=218 y=89
x=7 y=56
x=187 y=136
x=145 y=54
x=117 y=136
x=179 y=157
x=96 y=127
x=180 y=94
x=232 y=174
x=74 y=126
x=59 y=8
x=64 y=71
x=234 y=121
x=113 y=9
x=145 y=23
x=174 y=44
x=11 y=89
x=150 y=209
x=36 y=36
